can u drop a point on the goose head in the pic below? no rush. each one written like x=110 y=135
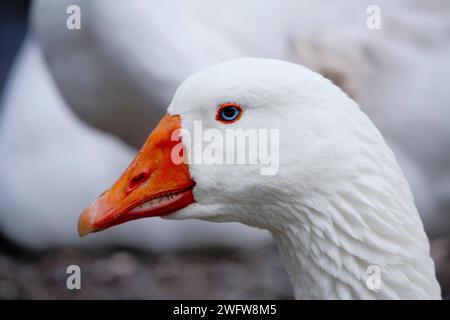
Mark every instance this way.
x=326 y=186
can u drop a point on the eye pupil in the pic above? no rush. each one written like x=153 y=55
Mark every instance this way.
x=229 y=113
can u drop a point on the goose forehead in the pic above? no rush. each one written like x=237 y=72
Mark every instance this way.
x=249 y=80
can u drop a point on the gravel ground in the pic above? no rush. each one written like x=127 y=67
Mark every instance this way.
x=125 y=274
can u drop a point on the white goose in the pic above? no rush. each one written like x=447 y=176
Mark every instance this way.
x=338 y=204
x=46 y=156
x=130 y=57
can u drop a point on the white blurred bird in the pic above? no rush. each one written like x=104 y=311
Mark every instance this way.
x=120 y=69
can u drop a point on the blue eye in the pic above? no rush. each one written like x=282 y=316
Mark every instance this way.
x=229 y=112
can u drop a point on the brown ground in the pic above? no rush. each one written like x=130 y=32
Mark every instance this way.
x=121 y=274
x=124 y=274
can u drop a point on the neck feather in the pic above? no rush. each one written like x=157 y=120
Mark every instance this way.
x=329 y=245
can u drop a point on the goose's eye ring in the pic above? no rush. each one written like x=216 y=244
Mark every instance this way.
x=229 y=113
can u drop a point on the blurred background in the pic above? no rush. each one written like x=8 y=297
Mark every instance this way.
x=77 y=100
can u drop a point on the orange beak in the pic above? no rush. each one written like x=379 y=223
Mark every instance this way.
x=152 y=185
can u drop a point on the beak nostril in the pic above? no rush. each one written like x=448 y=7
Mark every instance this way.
x=136 y=181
